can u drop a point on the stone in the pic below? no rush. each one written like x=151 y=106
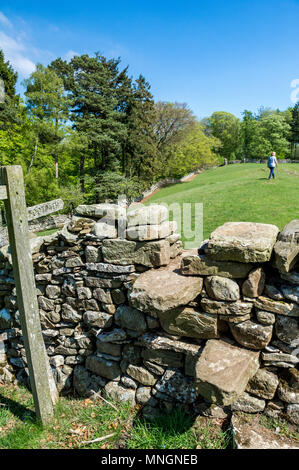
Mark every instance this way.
x=273 y=292
x=104 y=283
x=223 y=371
x=128 y=382
x=245 y=242
x=288 y=388
x=118 y=334
x=221 y=288
x=277 y=357
x=286 y=329
x=98 y=211
x=163 y=289
x=248 y=404
x=74 y=262
x=250 y=434
x=251 y=335
x=69 y=314
x=177 y=386
x=202 y=265
x=149 y=232
x=141 y=374
x=144 y=397
x=102 y=295
x=190 y=322
x=45 y=304
x=110 y=268
x=93 y=254
x=154 y=368
x=84 y=293
x=85 y=383
x=155 y=341
x=163 y=357
x=105 y=230
x=254 y=284
x=128 y=317
x=109 y=348
x=103 y=368
x=147 y=215
x=286 y=248
x=265 y=318
x=218 y=307
x=279 y=307
x=291 y=293
x=124 y=252
x=292 y=413
x=263 y=384
x=97 y=319
x=118 y=393
x=53 y=292
x=118 y=296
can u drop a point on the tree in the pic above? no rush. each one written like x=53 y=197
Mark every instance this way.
x=294 y=137
x=47 y=103
x=248 y=131
x=226 y=127
x=9 y=104
x=173 y=120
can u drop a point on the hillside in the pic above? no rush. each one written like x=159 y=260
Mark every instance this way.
x=239 y=193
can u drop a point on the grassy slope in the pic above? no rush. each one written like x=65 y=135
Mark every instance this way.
x=239 y=193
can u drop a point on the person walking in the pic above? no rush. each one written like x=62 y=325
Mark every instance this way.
x=272 y=163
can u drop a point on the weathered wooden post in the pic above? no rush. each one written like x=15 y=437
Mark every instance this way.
x=17 y=223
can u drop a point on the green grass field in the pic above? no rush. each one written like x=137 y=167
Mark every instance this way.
x=238 y=193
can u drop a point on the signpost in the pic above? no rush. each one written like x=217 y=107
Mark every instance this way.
x=12 y=192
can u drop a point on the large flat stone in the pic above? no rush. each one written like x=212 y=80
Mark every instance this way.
x=246 y=242
x=98 y=211
x=163 y=289
x=219 y=307
x=150 y=232
x=125 y=252
x=202 y=265
x=276 y=306
x=147 y=215
x=190 y=322
x=223 y=371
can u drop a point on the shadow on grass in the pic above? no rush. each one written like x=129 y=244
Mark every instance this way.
x=17 y=409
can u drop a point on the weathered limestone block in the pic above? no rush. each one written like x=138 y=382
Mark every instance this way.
x=128 y=317
x=248 y=404
x=119 y=393
x=144 y=397
x=69 y=314
x=109 y=348
x=80 y=225
x=176 y=386
x=102 y=295
x=147 y=215
x=251 y=334
x=223 y=371
x=265 y=318
x=110 y=268
x=163 y=357
x=202 y=265
x=286 y=248
x=278 y=357
x=53 y=292
x=97 y=211
x=286 y=329
x=97 y=319
x=190 y=322
x=118 y=334
x=246 y=242
x=254 y=284
x=163 y=289
x=150 y=232
x=141 y=374
x=93 y=254
x=263 y=384
x=105 y=230
x=279 y=307
x=103 y=367
x=219 y=307
x=150 y=254
x=221 y=288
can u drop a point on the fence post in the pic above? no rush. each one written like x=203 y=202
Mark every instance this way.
x=17 y=224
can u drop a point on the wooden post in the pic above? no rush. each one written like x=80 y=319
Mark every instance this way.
x=17 y=223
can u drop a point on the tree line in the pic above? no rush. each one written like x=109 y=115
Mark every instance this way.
x=86 y=131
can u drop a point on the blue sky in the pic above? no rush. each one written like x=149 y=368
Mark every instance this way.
x=213 y=55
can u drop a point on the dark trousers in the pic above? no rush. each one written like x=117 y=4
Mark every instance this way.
x=271 y=173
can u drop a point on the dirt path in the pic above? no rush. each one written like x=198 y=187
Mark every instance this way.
x=156 y=190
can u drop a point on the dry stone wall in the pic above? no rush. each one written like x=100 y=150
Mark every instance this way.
x=140 y=319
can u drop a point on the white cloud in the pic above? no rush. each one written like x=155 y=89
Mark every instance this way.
x=70 y=54
x=17 y=53
x=4 y=20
